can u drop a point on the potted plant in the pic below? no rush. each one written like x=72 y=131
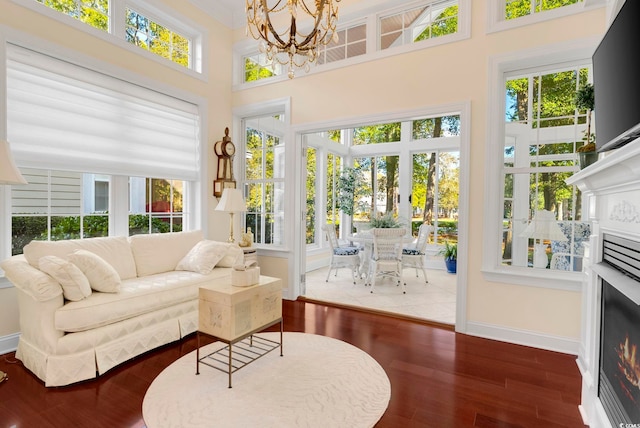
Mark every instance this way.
x=385 y=221
x=450 y=253
x=585 y=100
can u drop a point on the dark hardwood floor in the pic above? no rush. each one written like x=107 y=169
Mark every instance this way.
x=438 y=378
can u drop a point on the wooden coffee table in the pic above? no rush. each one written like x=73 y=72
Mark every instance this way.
x=233 y=315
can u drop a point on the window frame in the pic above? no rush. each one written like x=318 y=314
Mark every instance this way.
x=116 y=34
x=496 y=21
x=195 y=207
x=249 y=47
x=500 y=68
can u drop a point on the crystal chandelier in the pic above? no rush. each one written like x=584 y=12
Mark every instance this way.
x=289 y=46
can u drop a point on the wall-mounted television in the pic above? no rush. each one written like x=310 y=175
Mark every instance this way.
x=616 y=80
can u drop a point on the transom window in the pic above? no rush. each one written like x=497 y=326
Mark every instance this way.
x=143 y=24
x=518 y=8
x=424 y=20
x=431 y=19
x=351 y=42
x=149 y=35
x=92 y=12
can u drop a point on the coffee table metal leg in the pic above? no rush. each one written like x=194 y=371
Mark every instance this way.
x=230 y=351
x=281 y=328
x=197 y=352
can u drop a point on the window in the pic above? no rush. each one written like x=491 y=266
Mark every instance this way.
x=147 y=34
x=430 y=20
x=144 y=24
x=518 y=8
x=265 y=178
x=51 y=207
x=543 y=129
x=84 y=140
x=409 y=169
x=351 y=42
x=92 y=12
x=156 y=205
x=257 y=67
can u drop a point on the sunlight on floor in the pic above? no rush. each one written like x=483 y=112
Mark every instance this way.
x=435 y=301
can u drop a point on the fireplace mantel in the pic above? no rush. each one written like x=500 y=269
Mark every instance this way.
x=617 y=170
x=611 y=201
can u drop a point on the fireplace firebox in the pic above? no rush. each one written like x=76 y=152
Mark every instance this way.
x=619 y=386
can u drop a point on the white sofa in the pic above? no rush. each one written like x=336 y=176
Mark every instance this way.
x=148 y=297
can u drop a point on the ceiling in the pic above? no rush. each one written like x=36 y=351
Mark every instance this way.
x=229 y=12
x=232 y=14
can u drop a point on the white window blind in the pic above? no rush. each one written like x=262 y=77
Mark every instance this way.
x=63 y=116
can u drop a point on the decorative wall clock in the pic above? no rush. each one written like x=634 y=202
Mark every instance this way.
x=224 y=150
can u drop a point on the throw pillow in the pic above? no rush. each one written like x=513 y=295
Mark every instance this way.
x=75 y=286
x=203 y=257
x=101 y=275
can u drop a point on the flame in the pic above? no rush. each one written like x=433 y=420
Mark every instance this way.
x=628 y=365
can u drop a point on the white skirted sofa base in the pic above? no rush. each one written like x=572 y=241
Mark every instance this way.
x=151 y=301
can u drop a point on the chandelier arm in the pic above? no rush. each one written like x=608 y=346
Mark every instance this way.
x=312 y=35
x=300 y=54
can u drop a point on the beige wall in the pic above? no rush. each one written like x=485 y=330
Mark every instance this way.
x=451 y=73
x=217 y=92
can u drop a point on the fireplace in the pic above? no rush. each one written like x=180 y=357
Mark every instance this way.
x=610 y=289
x=619 y=377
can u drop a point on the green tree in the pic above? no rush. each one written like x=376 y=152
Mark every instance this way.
x=443 y=24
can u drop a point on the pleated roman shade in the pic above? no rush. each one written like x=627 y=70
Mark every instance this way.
x=67 y=117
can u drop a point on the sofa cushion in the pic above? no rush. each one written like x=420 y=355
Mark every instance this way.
x=161 y=252
x=137 y=296
x=34 y=282
x=75 y=285
x=203 y=257
x=115 y=250
x=101 y=275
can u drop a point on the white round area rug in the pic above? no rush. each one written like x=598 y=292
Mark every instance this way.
x=318 y=382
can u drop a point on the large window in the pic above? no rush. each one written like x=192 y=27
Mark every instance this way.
x=265 y=178
x=407 y=169
x=87 y=144
x=59 y=205
x=543 y=130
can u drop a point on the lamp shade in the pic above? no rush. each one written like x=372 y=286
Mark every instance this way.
x=544 y=226
x=9 y=173
x=231 y=201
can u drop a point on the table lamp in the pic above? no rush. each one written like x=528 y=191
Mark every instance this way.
x=232 y=202
x=9 y=173
x=543 y=227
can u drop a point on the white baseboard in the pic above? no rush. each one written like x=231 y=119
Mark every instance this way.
x=524 y=337
x=9 y=343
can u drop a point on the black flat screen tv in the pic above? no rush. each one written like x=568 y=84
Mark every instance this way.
x=616 y=80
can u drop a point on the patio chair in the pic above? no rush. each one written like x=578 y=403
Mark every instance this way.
x=413 y=256
x=341 y=256
x=386 y=259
